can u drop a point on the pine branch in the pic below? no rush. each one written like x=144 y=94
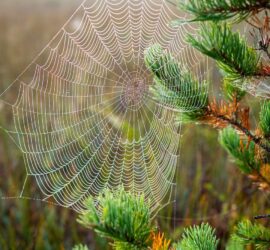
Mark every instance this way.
x=174 y=85
x=178 y=89
x=123 y=217
x=243 y=152
x=170 y=86
x=265 y=119
x=252 y=233
x=237 y=61
x=198 y=238
x=245 y=156
x=218 y=10
x=244 y=130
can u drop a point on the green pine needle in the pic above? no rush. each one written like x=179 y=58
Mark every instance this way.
x=231 y=92
x=218 y=10
x=80 y=247
x=233 y=244
x=252 y=233
x=265 y=118
x=174 y=85
x=235 y=58
x=244 y=154
x=123 y=217
x=198 y=238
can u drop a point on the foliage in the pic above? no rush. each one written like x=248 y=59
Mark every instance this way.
x=252 y=233
x=232 y=244
x=235 y=58
x=232 y=92
x=218 y=10
x=137 y=233
x=123 y=217
x=80 y=247
x=238 y=63
x=242 y=151
x=159 y=242
x=265 y=118
x=198 y=238
x=174 y=85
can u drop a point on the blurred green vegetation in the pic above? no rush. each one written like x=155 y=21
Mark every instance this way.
x=209 y=186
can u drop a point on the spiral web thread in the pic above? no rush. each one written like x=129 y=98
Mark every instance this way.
x=255 y=86
x=84 y=117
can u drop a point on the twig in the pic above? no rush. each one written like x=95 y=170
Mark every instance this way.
x=257 y=217
x=239 y=126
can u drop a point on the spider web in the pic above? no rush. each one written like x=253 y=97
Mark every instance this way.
x=84 y=116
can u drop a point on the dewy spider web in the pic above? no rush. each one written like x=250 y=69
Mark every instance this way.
x=84 y=117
